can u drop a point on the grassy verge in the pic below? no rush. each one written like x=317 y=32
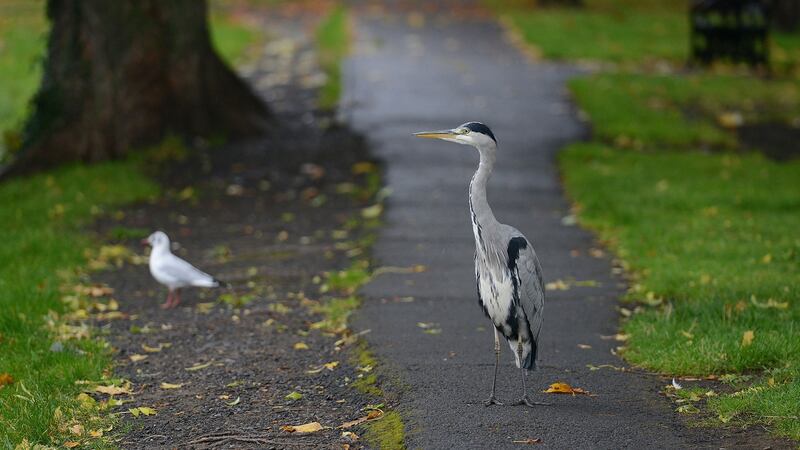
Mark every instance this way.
x=232 y=35
x=44 y=345
x=624 y=32
x=333 y=42
x=682 y=112
x=22 y=41
x=709 y=239
x=712 y=243
x=43 y=247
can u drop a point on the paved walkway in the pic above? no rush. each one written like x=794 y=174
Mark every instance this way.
x=413 y=75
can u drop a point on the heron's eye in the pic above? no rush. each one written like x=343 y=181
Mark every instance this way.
x=462 y=131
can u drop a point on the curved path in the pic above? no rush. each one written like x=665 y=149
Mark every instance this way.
x=412 y=73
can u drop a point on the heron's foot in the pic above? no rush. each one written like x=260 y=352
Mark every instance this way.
x=527 y=402
x=492 y=400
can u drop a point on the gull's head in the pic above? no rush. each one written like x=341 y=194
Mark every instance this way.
x=475 y=134
x=157 y=240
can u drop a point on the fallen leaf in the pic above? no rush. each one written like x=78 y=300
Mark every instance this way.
x=564 y=388
x=310 y=427
x=331 y=365
x=372 y=212
x=235 y=402
x=71 y=444
x=96 y=433
x=142 y=410
x=198 y=366
x=770 y=303
x=5 y=379
x=204 y=308
x=76 y=429
x=584 y=346
x=171 y=386
x=349 y=436
x=747 y=338
x=528 y=441
x=294 y=395
x=558 y=285
x=112 y=390
x=161 y=346
x=300 y=346
x=372 y=415
x=137 y=357
x=687 y=409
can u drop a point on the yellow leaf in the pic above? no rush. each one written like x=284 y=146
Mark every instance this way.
x=564 y=388
x=310 y=427
x=71 y=444
x=137 y=357
x=198 y=366
x=143 y=410
x=5 y=379
x=372 y=212
x=294 y=395
x=112 y=390
x=766 y=259
x=77 y=429
x=96 y=433
x=171 y=386
x=300 y=346
x=235 y=402
x=160 y=347
x=331 y=365
x=747 y=338
x=372 y=415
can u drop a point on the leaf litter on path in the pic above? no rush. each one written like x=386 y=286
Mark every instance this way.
x=564 y=388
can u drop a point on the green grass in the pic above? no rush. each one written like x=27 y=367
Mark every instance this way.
x=626 y=32
x=647 y=111
x=42 y=240
x=332 y=42
x=22 y=41
x=232 y=37
x=712 y=241
x=43 y=246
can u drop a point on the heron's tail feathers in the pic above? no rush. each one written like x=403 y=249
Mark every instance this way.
x=529 y=363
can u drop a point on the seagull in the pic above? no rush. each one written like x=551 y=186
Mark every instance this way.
x=173 y=272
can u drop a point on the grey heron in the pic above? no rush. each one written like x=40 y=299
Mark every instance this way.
x=507 y=271
x=172 y=271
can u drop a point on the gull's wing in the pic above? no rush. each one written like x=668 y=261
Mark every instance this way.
x=185 y=273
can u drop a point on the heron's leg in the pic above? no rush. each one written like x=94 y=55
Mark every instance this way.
x=492 y=400
x=524 y=400
x=167 y=304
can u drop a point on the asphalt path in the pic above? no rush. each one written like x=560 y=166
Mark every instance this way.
x=412 y=73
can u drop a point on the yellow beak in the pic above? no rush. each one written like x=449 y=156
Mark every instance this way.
x=441 y=134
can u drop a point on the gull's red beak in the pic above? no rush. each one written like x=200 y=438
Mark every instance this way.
x=144 y=242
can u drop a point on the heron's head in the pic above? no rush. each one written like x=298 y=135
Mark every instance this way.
x=470 y=133
x=157 y=240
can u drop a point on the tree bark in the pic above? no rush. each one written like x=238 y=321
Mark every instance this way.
x=122 y=74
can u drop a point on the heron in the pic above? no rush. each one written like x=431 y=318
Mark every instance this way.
x=172 y=271
x=507 y=272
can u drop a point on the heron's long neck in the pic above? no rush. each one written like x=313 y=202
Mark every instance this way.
x=478 y=204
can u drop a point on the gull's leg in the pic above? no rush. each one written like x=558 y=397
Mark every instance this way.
x=177 y=298
x=492 y=400
x=524 y=400
x=168 y=303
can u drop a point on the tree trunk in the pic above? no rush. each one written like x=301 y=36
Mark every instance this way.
x=122 y=74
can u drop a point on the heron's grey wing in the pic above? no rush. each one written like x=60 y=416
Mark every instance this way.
x=531 y=287
x=181 y=270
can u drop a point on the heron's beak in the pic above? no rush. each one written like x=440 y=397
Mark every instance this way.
x=441 y=134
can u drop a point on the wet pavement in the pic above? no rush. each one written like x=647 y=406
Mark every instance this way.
x=420 y=72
